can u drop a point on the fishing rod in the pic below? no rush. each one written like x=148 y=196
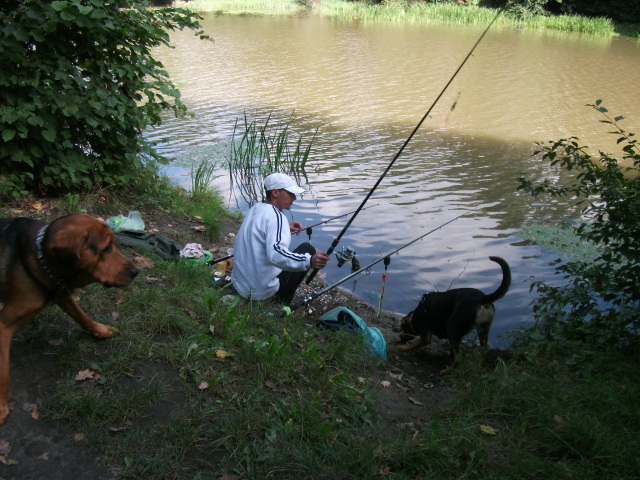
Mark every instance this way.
x=227 y=257
x=334 y=218
x=313 y=296
x=346 y=227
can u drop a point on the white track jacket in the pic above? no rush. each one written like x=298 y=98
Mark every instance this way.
x=261 y=252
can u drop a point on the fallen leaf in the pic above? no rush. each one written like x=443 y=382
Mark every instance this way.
x=115 y=315
x=385 y=384
x=143 y=262
x=44 y=456
x=7 y=461
x=203 y=386
x=274 y=387
x=5 y=447
x=86 y=374
x=223 y=354
x=198 y=218
x=79 y=437
x=416 y=402
x=200 y=228
x=488 y=430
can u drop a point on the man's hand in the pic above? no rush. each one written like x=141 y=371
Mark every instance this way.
x=295 y=227
x=319 y=260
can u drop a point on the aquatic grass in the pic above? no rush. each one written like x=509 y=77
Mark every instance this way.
x=420 y=13
x=598 y=26
x=202 y=177
x=408 y=12
x=272 y=7
x=260 y=148
x=453 y=14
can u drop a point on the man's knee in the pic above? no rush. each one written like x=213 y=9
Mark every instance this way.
x=305 y=247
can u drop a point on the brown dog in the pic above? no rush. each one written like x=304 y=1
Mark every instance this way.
x=42 y=265
x=452 y=314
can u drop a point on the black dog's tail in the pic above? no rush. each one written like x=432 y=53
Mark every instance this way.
x=506 y=281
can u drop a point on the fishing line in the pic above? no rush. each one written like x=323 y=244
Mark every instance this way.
x=346 y=227
x=304 y=301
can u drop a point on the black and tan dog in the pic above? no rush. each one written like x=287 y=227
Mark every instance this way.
x=453 y=314
x=42 y=265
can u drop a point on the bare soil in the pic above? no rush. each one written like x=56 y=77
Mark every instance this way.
x=411 y=389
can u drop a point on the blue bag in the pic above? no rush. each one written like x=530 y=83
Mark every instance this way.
x=342 y=317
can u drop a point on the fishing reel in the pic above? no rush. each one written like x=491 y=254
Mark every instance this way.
x=345 y=255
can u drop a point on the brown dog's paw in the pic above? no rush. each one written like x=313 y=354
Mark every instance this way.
x=99 y=330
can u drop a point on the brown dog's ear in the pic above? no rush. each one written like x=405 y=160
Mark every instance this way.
x=65 y=244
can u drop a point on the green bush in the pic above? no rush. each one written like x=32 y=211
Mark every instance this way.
x=598 y=305
x=78 y=85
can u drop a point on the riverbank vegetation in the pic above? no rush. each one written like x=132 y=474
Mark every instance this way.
x=519 y=14
x=198 y=385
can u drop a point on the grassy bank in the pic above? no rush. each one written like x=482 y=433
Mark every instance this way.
x=416 y=12
x=196 y=387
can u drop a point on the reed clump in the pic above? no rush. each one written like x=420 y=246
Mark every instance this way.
x=406 y=11
x=259 y=148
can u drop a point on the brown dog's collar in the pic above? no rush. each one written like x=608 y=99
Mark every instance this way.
x=43 y=263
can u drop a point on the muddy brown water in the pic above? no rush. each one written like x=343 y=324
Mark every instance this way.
x=365 y=86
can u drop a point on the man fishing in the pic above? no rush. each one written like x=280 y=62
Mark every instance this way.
x=264 y=267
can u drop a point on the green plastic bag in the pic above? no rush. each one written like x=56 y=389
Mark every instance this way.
x=342 y=317
x=131 y=223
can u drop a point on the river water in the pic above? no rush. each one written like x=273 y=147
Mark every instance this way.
x=365 y=87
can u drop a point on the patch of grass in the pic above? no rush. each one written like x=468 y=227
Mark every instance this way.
x=264 y=393
x=198 y=387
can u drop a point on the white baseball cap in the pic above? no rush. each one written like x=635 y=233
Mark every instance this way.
x=277 y=181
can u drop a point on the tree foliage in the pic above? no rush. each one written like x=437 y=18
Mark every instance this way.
x=599 y=302
x=78 y=84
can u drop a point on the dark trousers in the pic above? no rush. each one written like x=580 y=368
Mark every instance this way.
x=290 y=281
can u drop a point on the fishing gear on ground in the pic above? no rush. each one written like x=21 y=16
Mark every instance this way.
x=346 y=227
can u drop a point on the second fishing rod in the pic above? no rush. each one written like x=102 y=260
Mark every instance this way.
x=355 y=214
